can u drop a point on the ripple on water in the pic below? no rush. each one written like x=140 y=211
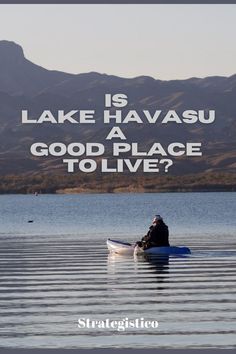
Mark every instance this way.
x=47 y=283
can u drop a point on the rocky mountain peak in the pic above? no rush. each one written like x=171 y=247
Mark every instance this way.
x=10 y=53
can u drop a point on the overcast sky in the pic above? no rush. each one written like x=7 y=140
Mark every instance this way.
x=163 y=41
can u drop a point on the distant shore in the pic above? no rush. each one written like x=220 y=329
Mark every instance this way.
x=115 y=183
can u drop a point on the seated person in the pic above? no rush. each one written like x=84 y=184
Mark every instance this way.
x=157 y=236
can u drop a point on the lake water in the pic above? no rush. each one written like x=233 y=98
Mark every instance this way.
x=56 y=269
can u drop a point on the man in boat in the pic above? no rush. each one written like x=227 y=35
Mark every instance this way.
x=157 y=236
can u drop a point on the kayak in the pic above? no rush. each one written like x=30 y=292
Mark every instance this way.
x=121 y=247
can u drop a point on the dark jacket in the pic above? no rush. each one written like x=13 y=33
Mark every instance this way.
x=157 y=236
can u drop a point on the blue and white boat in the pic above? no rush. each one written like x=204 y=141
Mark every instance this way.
x=121 y=247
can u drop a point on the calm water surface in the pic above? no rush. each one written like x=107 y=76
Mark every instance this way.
x=56 y=269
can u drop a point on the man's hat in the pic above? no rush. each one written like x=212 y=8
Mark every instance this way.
x=158 y=217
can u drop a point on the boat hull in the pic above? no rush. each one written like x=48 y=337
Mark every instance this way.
x=121 y=247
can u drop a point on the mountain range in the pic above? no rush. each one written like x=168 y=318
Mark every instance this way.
x=25 y=85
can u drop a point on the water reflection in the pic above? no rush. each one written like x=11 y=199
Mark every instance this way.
x=148 y=269
x=158 y=263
